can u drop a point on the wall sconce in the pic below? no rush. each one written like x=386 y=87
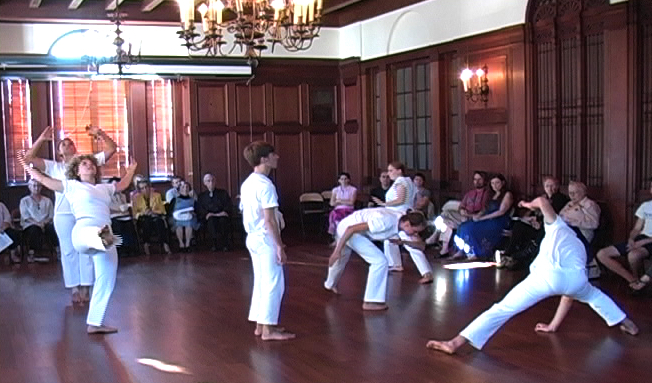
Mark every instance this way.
x=476 y=85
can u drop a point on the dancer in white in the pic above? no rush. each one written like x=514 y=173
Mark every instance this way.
x=355 y=233
x=559 y=269
x=91 y=234
x=259 y=205
x=77 y=269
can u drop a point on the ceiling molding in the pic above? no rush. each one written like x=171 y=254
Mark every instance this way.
x=74 y=4
x=151 y=4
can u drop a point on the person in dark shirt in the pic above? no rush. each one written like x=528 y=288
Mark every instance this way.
x=380 y=191
x=214 y=207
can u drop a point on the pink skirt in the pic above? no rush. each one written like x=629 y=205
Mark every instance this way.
x=336 y=216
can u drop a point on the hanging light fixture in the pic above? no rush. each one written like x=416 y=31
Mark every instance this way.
x=253 y=25
x=122 y=58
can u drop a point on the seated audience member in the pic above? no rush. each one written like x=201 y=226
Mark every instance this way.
x=36 y=215
x=380 y=191
x=581 y=213
x=214 y=207
x=477 y=238
x=400 y=195
x=137 y=179
x=122 y=223
x=183 y=213
x=6 y=227
x=342 y=200
x=636 y=249
x=472 y=203
x=149 y=212
x=642 y=282
x=528 y=232
x=173 y=192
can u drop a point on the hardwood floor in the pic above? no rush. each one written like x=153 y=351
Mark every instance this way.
x=186 y=316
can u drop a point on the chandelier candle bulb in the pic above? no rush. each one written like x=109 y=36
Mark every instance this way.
x=311 y=11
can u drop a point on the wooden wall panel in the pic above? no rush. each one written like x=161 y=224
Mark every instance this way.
x=213 y=151
x=288 y=185
x=323 y=167
x=351 y=102
x=211 y=104
x=287 y=105
x=258 y=106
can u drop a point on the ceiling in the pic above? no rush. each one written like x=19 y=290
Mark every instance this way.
x=336 y=12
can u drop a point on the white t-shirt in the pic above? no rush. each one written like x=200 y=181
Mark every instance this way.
x=37 y=211
x=383 y=222
x=392 y=194
x=88 y=201
x=57 y=170
x=644 y=212
x=256 y=193
x=560 y=249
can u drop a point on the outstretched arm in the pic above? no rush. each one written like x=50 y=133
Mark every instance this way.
x=565 y=304
x=110 y=146
x=30 y=155
x=337 y=253
x=126 y=180
x=541 y=203
x=48 y=182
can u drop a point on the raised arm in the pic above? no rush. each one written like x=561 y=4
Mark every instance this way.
x=30 y=155
x=128 y=177
x=48 y=182
x=109 y=145
x=541 y=203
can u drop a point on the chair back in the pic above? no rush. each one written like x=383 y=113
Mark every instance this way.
x=327 y=194
x=311 y=197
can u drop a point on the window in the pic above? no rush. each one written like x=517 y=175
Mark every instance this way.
x=644 y=158
x=413 y=116
x=376 y=118
x=97 y=103
x=17 y=122
x=454 y=121
x=160 y=149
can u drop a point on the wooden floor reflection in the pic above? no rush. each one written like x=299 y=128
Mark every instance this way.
x=189 y=312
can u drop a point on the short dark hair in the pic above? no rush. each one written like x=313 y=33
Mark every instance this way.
x=257 y=150
x=421 y=175
x=482 y=174
x=415 y=217
x=344 y=174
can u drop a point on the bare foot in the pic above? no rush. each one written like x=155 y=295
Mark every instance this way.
x=544 y=327
x=101 y=329
x=333 y=289
x=396 y=269
x=259 y=329
x=374 y=306
x=426 y=278
x=277 y=335
x=628 y=327
x=166 y=248
x=76 y=295
x=146 y=248
x=106 y=235
x=449 y=347
x=84 y=294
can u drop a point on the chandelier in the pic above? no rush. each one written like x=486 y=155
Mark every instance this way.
x=122 y=58
x=253 y=25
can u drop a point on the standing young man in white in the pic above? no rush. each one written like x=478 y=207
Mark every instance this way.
x=559 y=269
x=259 y=205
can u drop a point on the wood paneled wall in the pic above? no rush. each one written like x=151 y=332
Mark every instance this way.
x=275 y=107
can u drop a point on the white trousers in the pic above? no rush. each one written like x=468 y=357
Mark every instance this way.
x=393 y=255
x=376 y=290
x=77 y=268
x=269 y=281
x=86 y=241
x=535 y=288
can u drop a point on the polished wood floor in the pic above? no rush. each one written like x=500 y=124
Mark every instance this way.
x=183 y=319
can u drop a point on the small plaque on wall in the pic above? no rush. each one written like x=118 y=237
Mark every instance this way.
x=322 y=106
x=486 y=144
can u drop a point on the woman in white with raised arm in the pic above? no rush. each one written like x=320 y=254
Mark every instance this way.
x=91 y=234
x=77 y=270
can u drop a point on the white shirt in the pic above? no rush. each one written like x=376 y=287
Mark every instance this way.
x=382 y=222
x=256 y=193
x=57 y=170
x=88 y=201
x=560 y=249
x=40 y=211
x=5 y=216
x=392 y=194
x=171 y=194
x=644 y=212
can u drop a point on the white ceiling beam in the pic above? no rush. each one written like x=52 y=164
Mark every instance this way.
x=74 y=4
x=111 y=5
x=151 y=4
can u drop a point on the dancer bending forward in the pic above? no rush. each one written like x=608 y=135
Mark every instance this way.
x=559 y=269
x=91 y=235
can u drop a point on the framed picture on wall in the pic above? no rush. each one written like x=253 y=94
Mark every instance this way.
x=322 y=105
